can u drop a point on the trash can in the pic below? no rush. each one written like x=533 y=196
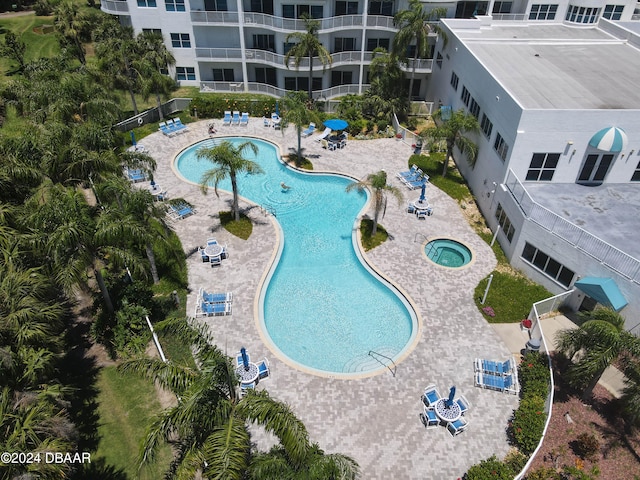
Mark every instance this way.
x=418 y=148
x=533 y=345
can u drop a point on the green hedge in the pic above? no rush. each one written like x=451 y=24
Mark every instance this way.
x=214 y=106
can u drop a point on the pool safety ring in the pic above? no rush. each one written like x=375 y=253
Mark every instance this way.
x=140 y=120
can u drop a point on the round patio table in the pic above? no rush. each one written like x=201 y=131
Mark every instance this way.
x=445 y=413
x=249 y=375
x=214 y=250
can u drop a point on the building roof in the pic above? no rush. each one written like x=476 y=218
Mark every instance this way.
x=555 y=66
x=609 y=211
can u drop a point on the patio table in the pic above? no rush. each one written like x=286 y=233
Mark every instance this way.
x=249 y=375
x=445 y=413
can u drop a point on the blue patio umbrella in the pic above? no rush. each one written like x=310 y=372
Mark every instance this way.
x=336 y=124
x=424 y=187
x=245 y=359
x=133 y=138
x=452 y=394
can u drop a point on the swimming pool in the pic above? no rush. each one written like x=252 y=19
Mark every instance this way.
x=321 y=306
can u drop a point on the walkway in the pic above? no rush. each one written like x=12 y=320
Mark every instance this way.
x=375 y=419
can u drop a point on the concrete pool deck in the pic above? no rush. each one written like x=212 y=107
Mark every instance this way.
x=373 y=419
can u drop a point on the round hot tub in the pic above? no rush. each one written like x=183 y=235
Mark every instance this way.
x=448 y=253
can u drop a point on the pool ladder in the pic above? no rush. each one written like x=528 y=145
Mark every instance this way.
x=375 y=356
x=268 y=209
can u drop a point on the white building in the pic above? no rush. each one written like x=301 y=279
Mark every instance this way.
x=563 y=199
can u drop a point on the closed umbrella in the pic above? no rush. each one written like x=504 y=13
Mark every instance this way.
x=452 y=394
x=245 y=359
x=422 y=196
x=133 y=138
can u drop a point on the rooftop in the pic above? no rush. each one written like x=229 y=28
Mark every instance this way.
x=556 y=66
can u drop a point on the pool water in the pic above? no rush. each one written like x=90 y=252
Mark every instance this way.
x=448 y=253
x=320 y=306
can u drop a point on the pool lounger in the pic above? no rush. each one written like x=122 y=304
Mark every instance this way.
x=204 y=309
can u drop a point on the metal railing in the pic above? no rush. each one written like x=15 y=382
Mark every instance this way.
x=375 y=356
x=150 y=116
x=114 y=7
x=605 y=253
x=255 y=87
x=402 y=133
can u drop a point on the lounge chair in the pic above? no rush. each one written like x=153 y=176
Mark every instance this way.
x=430 y=396
x=323 y=135
x=172 y=126
x=415 y=184
x=493 y=367
x=328 y=145
x=408 y=173
x=308 y=131
x=263 y=368
x=244 y=119
x=179 y=126
x=235 y=120
x=162 y=126
x=505 y=384
x=463 y=403
x=227 y=118
x=136 y=175
x=215 y=297
x=429 y=418
x=266 y=122
x=212 y=309
x=178 y=212
x=458 y=426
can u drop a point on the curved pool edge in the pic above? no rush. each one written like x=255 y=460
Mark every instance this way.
x=440 y=237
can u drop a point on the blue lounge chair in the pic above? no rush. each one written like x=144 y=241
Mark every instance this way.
x=178 y=212
x=408 y=173
x=430 y=396
x=458 y=426
x=181 y=127
x=136 y=175
x=227 y=118
x=244 y=119
x=217 y=297
x=162 y=126
x=429 y=418
x=415 y=184
x=263 y=368
x=506 y=384
x=493 y=367
x=235 y=120
x=310 y=130
x=215 y=309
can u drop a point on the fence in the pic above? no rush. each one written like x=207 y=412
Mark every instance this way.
x=403 y=133
x=538 y=310
x=151 y=116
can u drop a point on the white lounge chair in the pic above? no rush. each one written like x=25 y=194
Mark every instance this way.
x=505 y=384
x=308 y=131
x=244 y=119
x=235 y=119
x=227 y=118
x=493 y=367
x=323 y=135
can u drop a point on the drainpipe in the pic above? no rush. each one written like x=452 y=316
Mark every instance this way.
x=362 y=46
x=245 y=78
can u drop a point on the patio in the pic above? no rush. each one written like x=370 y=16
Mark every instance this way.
x=384 y=433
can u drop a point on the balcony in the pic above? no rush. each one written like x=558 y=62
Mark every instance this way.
x=285 y=24
x=114 y=7
x=255 y=87
x=275 y=59
x=214 y=18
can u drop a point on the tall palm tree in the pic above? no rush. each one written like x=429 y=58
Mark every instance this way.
x=307 y=45
x=453 y=131
x=211 y=419
x=296 y=110
x=415 y=24
x=228 y=161
x=73 y=26
x=594 y=345
x=631 y=393
x=152 y=59
x=377 y=184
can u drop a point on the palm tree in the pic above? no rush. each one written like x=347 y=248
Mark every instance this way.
x=415 y=24
x=452 y=131
x=154 y=58
x=377 y=184
x=73 y=26
x=228 y=161
x=594 y=345
x=295 y=110
x=211 y=420
x=307 y=45
x=631 y=393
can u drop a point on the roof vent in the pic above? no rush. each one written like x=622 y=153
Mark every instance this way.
x=537 y=55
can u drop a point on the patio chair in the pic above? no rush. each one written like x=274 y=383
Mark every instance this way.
x=430 y=396
x=217 y=260
x=411 y=208
x=323 y=135
x=244 y=119
x=227 y=118
x=463 y=403
x=266 y=122
x=429 y=418
x=178 y=212
x=263 y=368
x=235 y=120
x=162 y=196
x=328 y=145
x=308 y=131
x=203 y=255
x=211 y=241
x=225 y=252
x=493 y=367
x=246 y=388
x=457 y=427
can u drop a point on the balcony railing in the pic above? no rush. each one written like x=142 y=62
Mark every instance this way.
x=379 y=21
x=288 y=24
x=114 y=7
x=255 y=87
x=214 y=18
x=597 y=248
x=219 y=53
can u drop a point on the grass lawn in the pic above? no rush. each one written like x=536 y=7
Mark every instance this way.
x=126 y=406
x=241 y=229
x=369 y=242
x=453 y=184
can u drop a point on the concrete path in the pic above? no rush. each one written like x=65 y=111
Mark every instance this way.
x=374 y=419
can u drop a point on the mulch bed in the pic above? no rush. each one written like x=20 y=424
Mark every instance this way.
x=618 y=457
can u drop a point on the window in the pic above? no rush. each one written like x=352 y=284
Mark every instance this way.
x=613 y=12
x=346 y=8
x=502 y=7
x=154 y=31
x=180 y=40
x=501 y=147
x=636 y=175
x=297 y=11
x=301 y=84
x=215 y=5
x=223 y=75
x=288 y=11
x=543 y=12
x=577 y=14
x=266 y=75
x=486 y=126
x=466 y=96
x=174 y=5
x=264 y=42
x=185 y=73
x=262 y=6
x=595 y=168
x=344 y=44
x=542 y=167
x=474 y=108
x=373 y=43
x=288 y=46
x=341 y=78
x=381 y=7
x=505 y=223
x=454 y=81
x=147 y=3
x=547 y=265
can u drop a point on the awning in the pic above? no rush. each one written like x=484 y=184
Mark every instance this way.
x=610 y=139
x=603 y=290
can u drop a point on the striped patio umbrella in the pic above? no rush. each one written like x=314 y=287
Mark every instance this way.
x=610 y=139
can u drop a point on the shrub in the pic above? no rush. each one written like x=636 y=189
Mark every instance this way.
x=130 y=334
x=527 y=424
x=515 y=460
x=491 y=468
x=533 y=373
x=586 y=446
x=543 y=473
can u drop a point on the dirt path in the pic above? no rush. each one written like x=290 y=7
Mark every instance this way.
x=16 y=14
